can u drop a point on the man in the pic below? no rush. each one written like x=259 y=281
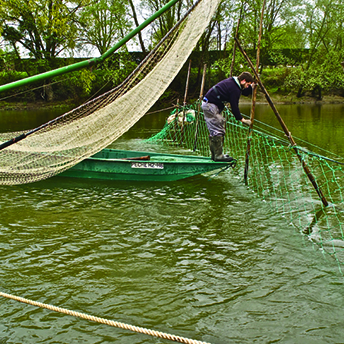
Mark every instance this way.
x=228 y=90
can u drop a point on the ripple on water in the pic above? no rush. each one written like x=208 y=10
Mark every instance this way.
x=196 y=258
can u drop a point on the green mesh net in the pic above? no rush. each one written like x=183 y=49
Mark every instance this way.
x=275 y=173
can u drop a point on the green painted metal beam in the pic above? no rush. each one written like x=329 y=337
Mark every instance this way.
x=88 y=63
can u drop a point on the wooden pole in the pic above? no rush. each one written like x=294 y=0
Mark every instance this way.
x=175 y=125
x=199 y=105
x=184 y=103
x=187 y=83
x=254 y=97
x=234 y=48
x=284 y=127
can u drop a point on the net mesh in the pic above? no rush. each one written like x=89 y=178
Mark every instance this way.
x=275 y=173
x=80 y=133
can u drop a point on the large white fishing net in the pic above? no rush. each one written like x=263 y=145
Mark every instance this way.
x=80 y=133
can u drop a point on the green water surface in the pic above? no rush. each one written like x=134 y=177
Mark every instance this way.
x=200 y=258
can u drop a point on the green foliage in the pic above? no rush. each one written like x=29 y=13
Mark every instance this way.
x=87 y=78
x=118 y=68
x=224 y=65
x=8 y=72
x=278 y=58
x=324 y=75
x=77 y=85
x=45 y=28
x=6 y=60
x=273 y=78
x=164 y=23
x=285 y=36
x=104 y=23
x=10 y=76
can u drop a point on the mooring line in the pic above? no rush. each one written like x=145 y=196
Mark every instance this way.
x=103 y=321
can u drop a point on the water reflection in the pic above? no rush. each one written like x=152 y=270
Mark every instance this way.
x=16 y=120
x=312 y=125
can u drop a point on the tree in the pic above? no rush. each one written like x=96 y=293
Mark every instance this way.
x=136 y=21
x=45 y=28
x=165 y=22
x=104 y=22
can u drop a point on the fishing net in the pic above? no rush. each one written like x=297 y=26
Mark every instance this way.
x=78 y=134
x=275 y=173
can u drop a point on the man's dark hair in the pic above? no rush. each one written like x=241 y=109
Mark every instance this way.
x=246 y=76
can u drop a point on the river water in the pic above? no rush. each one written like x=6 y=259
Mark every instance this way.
x=201 y=258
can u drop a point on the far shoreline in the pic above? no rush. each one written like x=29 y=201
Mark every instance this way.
x=278 y=99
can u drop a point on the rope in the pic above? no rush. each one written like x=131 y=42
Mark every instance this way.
x=33 y=89
x=160 y=110
x=270 y=128
x=265 y=133
x=103 y=321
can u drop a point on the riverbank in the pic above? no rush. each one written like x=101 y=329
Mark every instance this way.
x=276 y=98
x=293 y=99
x=40 y=104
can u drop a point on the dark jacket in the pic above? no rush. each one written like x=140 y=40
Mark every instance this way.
x=227 y=91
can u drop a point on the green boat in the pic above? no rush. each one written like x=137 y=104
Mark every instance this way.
x=112 y=164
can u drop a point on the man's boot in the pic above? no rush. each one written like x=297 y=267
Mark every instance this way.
x=212 y=148
x=216 y=146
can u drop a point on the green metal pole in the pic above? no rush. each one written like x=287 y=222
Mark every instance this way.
x=88 y=63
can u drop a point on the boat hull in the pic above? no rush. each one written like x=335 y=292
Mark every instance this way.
x=111 y=164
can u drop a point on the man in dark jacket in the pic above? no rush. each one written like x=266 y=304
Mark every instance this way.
x=228 y=90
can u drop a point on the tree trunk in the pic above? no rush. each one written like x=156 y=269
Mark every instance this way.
x=137 y=24
x=48 y=93
x=300 y=92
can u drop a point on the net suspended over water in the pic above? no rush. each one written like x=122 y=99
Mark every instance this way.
x=275 y=173
x=86 y=130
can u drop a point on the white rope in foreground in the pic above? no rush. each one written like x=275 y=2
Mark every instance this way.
x=104 y=321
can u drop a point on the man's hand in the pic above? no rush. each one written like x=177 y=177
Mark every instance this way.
x=246 y=121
